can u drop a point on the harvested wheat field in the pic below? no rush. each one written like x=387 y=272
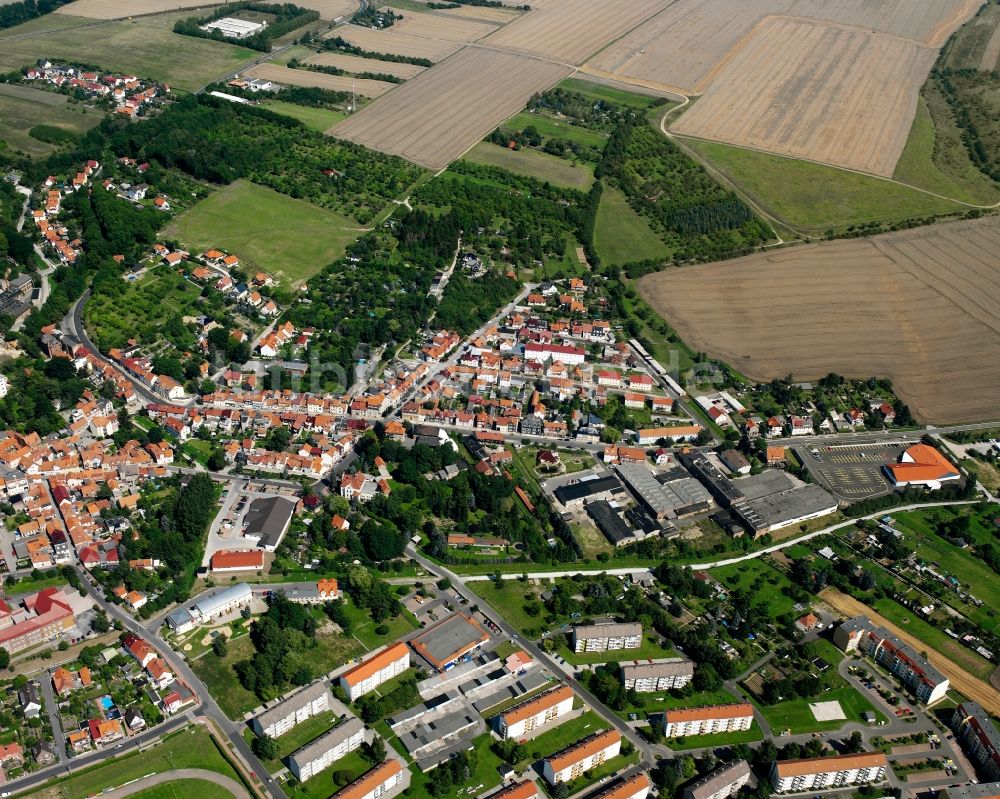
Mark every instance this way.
x=688 y=41
x=499 y=15
x=920 y=306
x=827 y=93
x=331 y=9
x=968 y=685
x=356 y=64
x=991 y=54
x=387 y=41
x=305 y=77
x=434 y=26
x=572 y=30
x=115 y=9
x=440 y=114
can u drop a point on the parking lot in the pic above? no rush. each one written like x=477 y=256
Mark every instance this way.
x=851 y=472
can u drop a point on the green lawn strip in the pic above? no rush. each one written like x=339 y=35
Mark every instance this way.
x=649 y=649
x=817 y=197
x=34 y=586
x=621 y=235
x=566 y=734
x=599 y=91
x=322 y=785
x=221 y=680
x=797 y=716
x=934 y=638
x=551 y=126
x=318 y=119
x=190 y=748
x=535 y=164
x=275 y=242
x=485 y=775
x=715 y=739
x=144 y=46
x=184 y=789
x=944 y=169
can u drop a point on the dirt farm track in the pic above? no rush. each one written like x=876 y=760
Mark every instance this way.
x=966 y=684
x=920 y=306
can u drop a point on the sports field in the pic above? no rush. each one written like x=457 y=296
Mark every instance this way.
x=288 y=238
x=145 y=46
x=22 y=108
x=921 y=306
x=534 y=164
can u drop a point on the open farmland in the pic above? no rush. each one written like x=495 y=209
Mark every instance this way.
x=852 y=106
x=685 y=44
x=273 y=242
x=305 y=77
x=572 y=31
x=534 y=164
x=353 y=63
x=434 y=26
x=331 y=9
x=500 y=14
x=438 y=115
x=388 y=41
x=115 y=9
x=145 y=46
x=24 y=107
x=920 y=306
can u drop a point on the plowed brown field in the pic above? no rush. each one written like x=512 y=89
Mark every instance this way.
x=834 y=94
x=304 y=77
x=920 y=306
x=438 y=115
x=966 y=684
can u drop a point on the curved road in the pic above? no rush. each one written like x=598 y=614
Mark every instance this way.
x=141 y=784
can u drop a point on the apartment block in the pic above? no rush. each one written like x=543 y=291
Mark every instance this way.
x=707 y=720
x=375 y=783
x=582 y=756
x=317 y=755
x=979 y=737
x=276 y=721
x=927 y=683
x=646 y=676
x=371 y=673
x=607 y=637
x=722 y=783
x=636 y=787
x=818 y=773
x=519 y=790
x=526 y=716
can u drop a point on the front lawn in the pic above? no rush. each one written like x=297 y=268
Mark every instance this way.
x=797 y=716
x=221 y=680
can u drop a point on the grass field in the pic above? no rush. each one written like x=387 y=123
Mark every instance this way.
x=560 y=737
x=363 y=628
x=797 y=716
x=534 y=164
x=716 y=739
x=318 y=119
x=322 y=785
x=184 y=789
x=550 y=126
x=145 y=46
x=288 y=238
x=935 y=157
x=22 y=107
x=191 y=748
x=816 y=197
x=599 y=91
x=621 y=235
x=221 y=680
x=762 y=580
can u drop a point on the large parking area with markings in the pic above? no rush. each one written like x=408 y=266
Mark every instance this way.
x=851 y=472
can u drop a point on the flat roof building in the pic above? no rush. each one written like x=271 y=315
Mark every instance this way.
x=664 y=674
x=449 y=639
x=722 y=783
x=979 y=737
x=817 y=773
x=222 y=602
x=590 y=489
x=607 y=637
x=330 y=747
x=268 y=520
x=310 y=701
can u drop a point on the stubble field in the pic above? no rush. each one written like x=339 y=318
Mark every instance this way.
x=305 y=77
x=572 y=31
x=823 y=92
x=434 y=118
x=388 y=41
x=435 y=26
x=353 y=63
x=331 y=9
x=920 y=306
x=499 y=15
